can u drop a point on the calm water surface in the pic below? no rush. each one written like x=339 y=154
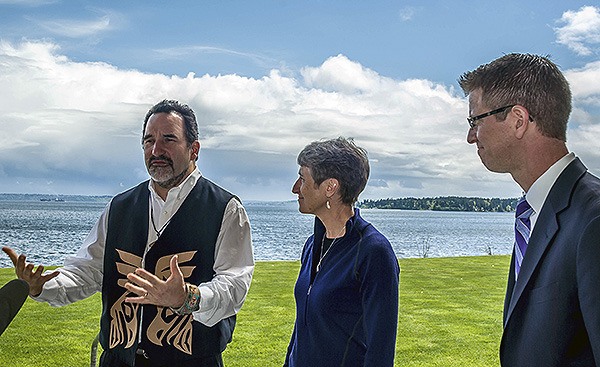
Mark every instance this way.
x=47 y=231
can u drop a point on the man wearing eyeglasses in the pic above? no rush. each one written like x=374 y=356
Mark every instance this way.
x=519 y=106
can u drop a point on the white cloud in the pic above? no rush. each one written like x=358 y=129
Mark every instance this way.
x=340 y=74
x=77 y=28
x=79 y=123
x=585 y=120
x=173 y=53
x=581 y=30
x=584 y=83
x=407 y=13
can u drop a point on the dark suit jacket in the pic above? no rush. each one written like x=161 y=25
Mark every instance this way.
x=552 y=313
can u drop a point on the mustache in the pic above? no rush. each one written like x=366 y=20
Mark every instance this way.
x=160 y=158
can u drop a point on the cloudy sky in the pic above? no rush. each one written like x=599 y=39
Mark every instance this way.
x=268 y=77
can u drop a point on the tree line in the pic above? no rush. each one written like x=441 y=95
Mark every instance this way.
x=444 y=203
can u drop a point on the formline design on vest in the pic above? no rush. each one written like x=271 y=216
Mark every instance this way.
x=166 y=328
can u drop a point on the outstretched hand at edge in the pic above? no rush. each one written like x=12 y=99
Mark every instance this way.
x=26 y=271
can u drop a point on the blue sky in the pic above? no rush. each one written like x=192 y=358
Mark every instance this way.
x=268 y=77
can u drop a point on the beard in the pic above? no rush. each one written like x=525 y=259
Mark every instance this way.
x=165 y=176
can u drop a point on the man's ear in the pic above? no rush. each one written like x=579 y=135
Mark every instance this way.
x=195 y=150
x=523 y=121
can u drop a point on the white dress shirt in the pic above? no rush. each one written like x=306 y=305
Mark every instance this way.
x=220 y=298
x=536 y=196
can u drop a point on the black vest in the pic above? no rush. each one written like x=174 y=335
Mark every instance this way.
x=192 y=234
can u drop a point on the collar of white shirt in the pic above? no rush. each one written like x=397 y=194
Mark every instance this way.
x=180 y=191
x=536 y=196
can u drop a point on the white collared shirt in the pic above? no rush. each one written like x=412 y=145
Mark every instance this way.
x=220 y=298
x=538 y=192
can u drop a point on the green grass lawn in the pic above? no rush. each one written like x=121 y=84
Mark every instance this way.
x=450 y=315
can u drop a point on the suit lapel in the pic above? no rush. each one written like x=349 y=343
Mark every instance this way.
x=543 y=233
x=510 y=288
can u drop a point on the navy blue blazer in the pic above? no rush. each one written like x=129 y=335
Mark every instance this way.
x=552 y=313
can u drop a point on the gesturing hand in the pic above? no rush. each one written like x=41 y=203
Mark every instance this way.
x=152 y=290
x=25 y=271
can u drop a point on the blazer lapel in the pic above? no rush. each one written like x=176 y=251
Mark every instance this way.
x=544 y=231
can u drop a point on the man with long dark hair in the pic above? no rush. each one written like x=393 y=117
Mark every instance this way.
x=171 y=256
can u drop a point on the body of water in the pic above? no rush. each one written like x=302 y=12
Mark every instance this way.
x=47 y=231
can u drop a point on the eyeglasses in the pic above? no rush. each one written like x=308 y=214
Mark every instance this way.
x=471 y=120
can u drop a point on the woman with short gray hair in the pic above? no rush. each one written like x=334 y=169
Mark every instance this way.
x=347 y=290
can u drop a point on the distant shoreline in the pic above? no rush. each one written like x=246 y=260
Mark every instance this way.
x=444 y=203
x=440 y=203
x=54 y=197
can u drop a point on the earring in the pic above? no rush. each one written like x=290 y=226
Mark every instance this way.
x=328 y=205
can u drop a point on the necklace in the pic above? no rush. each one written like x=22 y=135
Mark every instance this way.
x=158 y=231
x=322 y=255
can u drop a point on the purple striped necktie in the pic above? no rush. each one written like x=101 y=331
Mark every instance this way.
x=522 y=232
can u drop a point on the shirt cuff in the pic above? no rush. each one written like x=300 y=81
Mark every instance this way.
x=49 y=292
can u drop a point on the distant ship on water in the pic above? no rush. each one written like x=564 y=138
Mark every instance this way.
x=55 y=199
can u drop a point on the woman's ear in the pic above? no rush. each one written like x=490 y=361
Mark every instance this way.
x=332 y=186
